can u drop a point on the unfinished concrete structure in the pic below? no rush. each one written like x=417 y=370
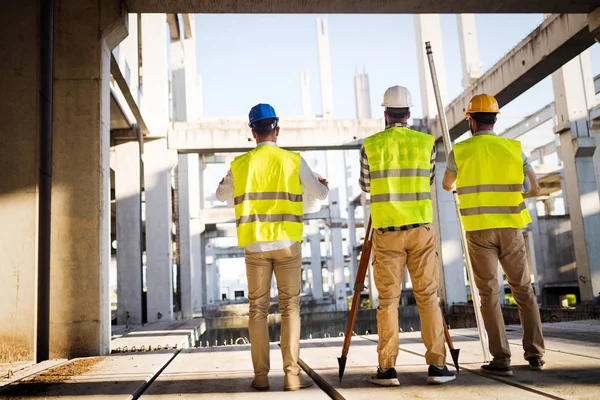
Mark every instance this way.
x=93 y=75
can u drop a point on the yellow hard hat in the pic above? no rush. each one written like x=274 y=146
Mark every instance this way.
x=482 y=103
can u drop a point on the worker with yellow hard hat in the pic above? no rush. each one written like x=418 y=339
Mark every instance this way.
x=487 y=172
x=397 y=169
x=266 y=184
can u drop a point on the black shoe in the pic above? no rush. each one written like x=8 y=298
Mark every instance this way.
x=386 y=378
x=494 y=370
x=439 y=375
x=536 y=363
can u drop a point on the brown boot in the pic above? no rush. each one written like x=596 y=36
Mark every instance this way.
x=260 y=382
x=296 y=382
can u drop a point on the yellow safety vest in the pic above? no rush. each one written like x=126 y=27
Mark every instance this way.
x=399 y=165
x=489 y=183
x=267 y=195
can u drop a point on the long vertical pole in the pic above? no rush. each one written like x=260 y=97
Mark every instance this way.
x=448 y=147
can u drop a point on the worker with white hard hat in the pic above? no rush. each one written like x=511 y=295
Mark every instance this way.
x=267 y=185
x=488 y=172
x=397 y=169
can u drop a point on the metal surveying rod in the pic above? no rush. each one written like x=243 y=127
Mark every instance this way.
x=448 y=147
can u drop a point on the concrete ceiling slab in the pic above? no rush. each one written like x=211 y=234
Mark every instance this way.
x=362 y=6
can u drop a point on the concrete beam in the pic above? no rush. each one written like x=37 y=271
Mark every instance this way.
x=359 y=7
x=530 y=122
x=173 y=22
x=223 y=215
x=556 y=41
x=542 y=151
x=233 y=135
x=115 y=71
x=187 y=26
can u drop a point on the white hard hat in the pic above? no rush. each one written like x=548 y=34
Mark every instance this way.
x=397 y=97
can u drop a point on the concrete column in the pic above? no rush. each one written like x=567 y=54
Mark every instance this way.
x=534 y=247
x=373 y=293
x=206 y=252
x=84 y=34
x=501 y=283
x=337 y=255
x=427 y=28
x=352 y=244
x=158 y=163
x=315 y=259
x=178 y=83
x=362 y=95
x=155 y=78
x=305 y=95
x=184 y=75
x=129 y=233
x=189 y=47
x=469 y=54
x=574 y=96
x=22 y=97
x=216 y=282
x=450 y=253
x=325 y=68
x=190 y=226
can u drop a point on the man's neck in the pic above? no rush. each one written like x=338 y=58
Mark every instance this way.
x=396 y=123
x=484 y=132
x=266 y=139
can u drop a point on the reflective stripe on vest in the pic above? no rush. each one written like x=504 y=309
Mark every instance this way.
x=267 y=195
x=490 y=182
x=399 y=165
x=398 y=173
x=268 y=218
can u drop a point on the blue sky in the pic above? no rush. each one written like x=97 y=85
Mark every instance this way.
x=245 y=59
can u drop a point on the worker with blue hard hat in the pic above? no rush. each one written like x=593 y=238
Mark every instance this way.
x=261 y=112
x=266 y=184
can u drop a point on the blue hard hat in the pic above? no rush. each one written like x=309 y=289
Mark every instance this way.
x=260 y=112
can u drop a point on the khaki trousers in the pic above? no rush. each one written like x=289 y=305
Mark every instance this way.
x=392 y=252
x=287 y=265
x=506 y=245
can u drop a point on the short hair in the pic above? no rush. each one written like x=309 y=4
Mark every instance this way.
x=264 y=127
x=484 y=117
x=397 y=113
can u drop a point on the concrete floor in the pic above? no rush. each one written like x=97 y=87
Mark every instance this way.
x=572 y=371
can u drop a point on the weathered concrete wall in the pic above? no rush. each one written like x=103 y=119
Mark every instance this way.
x=19 y=130
x=313 y=324
x=462 y=316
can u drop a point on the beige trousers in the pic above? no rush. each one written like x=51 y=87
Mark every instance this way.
x=506 y=245
x=392 y=252
x=287 y=266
